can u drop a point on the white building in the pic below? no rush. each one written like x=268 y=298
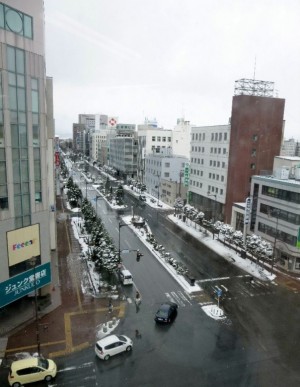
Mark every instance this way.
x=290 y=147
x=276 y=214
x=163 y=175
x=151 y=139
x=209 y=167
x=27 y=197
x=181 y=138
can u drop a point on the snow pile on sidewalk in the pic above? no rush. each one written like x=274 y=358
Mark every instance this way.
x=226 y=253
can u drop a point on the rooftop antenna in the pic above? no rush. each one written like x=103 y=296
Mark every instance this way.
x=254 y=67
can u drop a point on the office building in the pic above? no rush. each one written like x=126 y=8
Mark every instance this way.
x=27 y=198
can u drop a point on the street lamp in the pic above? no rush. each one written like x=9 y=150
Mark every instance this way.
x=214 y=210
x=96 y=199
x=33 y=262
x=157 y=186
x=121 y=225
x=86 y=183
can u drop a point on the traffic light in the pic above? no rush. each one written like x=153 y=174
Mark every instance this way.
x=138 y=255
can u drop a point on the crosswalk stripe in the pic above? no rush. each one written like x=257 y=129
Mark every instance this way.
x=173 y=297
x=184 y=297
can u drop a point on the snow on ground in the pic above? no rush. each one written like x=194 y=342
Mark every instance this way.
x=142 y=236
x=224 y=251
x=214 y=312
x=106 y=328
x=150 y=200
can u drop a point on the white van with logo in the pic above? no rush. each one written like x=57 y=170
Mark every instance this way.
x=126 y=277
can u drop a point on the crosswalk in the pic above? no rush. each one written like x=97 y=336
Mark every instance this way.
x=238 y=287
x=180 y=298
x=230 y=288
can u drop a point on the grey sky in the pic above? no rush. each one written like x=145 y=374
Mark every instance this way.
x=169 y=58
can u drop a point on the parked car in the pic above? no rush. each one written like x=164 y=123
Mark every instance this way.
x=112 y=345
x=166 y=313
x=32 y=369
x=142 y=198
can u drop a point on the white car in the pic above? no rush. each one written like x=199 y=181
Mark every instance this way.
x=112 y=345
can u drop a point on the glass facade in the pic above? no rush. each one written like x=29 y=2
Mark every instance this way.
x=36 y=139
x=15 y=21
x=19 y=138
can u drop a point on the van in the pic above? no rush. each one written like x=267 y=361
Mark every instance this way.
x=32 y=369
x=126 y=277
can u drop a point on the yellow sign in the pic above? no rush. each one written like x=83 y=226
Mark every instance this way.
x=23 y=243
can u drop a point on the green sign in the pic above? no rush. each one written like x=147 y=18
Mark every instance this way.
x=186 y=174
x=298 y=239
x=24 y=283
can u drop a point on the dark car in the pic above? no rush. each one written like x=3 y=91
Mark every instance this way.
x=142 y=198
x=166 y=312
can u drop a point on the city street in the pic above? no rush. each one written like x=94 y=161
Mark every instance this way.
x=255 y=345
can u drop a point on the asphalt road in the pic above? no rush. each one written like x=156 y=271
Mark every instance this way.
x=257 y=345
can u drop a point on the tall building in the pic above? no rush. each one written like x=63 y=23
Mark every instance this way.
x=150 y=138
x=256 y=134
x=27 y=197
x=224 y=157
x=123 y=151
x=209 y=168
x=79 y=134
x=290 y=147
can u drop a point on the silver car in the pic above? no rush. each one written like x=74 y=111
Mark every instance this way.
x=112 y=345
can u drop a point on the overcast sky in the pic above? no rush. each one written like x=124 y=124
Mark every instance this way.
x=169 y=58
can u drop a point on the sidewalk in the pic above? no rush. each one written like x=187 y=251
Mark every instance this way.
x=70 y=322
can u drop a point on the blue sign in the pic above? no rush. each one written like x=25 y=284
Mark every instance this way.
x=219 y=292
x=24 y=283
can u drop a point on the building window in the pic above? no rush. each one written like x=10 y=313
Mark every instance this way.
x=254 y=137
x=164 y=139
x=18 y=128
x=221 y=191
x=222 y=178
x=224 y=151
x=169 y=139
x=203 y=137
x=223 y=164
x=15 y=21
x=252 y=166
x=212 y=137
x=225 y=136
x=220 y=136
x=3 y=181
x=158 y=138
x=153 y=138
x=166 y=174
x=253 y=153
x=167 y=165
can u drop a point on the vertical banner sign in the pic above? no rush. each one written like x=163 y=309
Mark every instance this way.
x=247 y=210
x=57 y=159
x=298 y=239
x=186 y=174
